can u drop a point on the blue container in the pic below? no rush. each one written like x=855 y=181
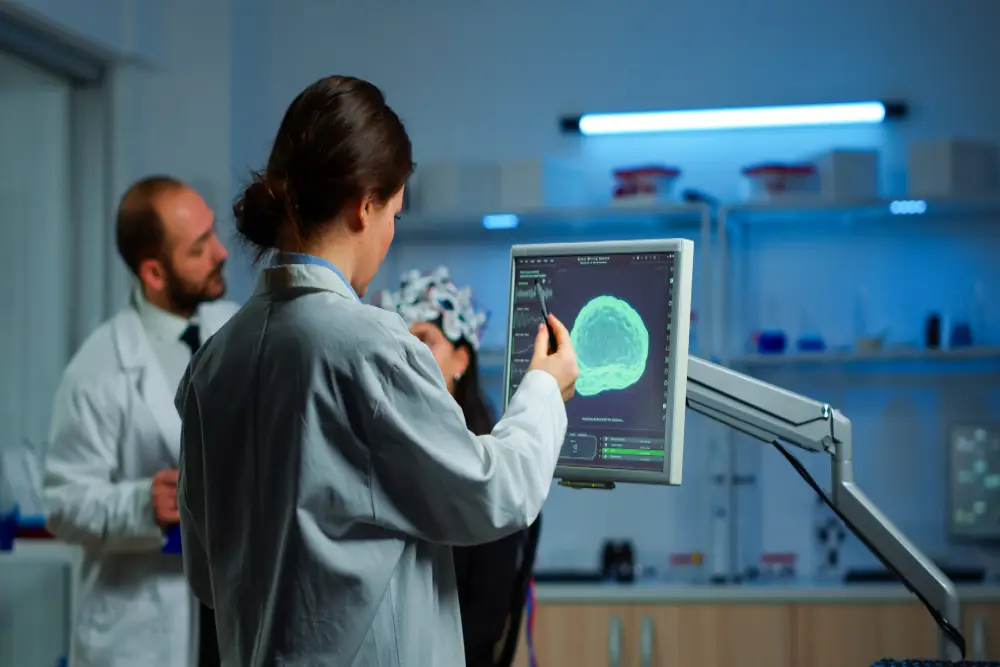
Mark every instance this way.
x=772 y=342
x=173 y=535
x=961 y=335
x=8 y=528
x=811 y=344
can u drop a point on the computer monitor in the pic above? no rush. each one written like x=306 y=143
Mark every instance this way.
x=627 y=305
x=974 y=482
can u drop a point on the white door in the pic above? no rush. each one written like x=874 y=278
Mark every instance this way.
x=36 y=269
x=35 y=246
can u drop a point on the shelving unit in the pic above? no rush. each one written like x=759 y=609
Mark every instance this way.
x=814 y=210
x=890 y=355
x=559 y=224
x=734 y=222
x=805 y=228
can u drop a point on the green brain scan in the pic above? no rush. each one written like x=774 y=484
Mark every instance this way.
x=611 y=344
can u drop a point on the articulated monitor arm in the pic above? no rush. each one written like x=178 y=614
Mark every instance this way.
x=772 y=414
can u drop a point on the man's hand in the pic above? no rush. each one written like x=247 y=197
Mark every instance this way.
x=165 y=498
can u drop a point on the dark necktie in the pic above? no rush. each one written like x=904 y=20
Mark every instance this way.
x=208 y=641
x=192 y=337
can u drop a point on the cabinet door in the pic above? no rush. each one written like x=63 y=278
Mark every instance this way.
x=581 y=635
x=848 y=635
x=714 y=635
x=981 y=627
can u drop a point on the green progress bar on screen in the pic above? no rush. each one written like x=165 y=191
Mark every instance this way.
x=614 y=451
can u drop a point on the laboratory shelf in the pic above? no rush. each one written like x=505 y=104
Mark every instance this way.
x=889 y=355
x=815 y=220
x=818 y=211
x=555 y=224
x=796 y=235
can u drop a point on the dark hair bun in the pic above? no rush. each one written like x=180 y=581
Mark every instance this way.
x=260 y=212
x=337 y=144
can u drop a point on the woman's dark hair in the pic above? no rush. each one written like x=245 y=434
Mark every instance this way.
x=338 y=142
x=469 y=395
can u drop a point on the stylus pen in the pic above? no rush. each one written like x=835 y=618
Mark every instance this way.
x=545 y=315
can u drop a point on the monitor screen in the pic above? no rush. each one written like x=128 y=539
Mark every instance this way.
x=627 y=306
x=974 y=493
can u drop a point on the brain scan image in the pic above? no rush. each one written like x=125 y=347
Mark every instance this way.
x=612 y=345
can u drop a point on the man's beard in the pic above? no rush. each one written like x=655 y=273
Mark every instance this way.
x=186 y=296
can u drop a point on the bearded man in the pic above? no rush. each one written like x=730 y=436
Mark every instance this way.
x=111 y=472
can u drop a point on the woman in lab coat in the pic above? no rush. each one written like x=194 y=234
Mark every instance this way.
x=492 y=578
x=326 y=471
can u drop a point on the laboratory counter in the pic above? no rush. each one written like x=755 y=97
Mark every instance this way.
x=781 y=624
x=652 y=623
x=791 y=592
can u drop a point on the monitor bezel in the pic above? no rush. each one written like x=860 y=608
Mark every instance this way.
x=680 y=316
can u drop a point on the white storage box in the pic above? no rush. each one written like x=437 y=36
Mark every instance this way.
x=775 y=182
x=848 y=175
x=467 y=187
x=539 y=183
x=952 y=168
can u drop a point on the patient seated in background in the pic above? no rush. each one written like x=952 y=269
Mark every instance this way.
x=494 y=578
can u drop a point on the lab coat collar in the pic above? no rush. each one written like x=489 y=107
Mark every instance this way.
x=131 y=336
x=293 y=258
x=135 y=355
x=303 y=276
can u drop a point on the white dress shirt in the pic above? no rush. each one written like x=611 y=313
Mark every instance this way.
x=164 y=330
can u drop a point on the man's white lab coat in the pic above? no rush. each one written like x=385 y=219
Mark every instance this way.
x=114 y=425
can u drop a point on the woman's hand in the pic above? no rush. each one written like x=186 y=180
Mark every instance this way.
x=561 y=364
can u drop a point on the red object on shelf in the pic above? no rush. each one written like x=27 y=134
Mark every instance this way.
x=694 y=558
x=649 y=180
x=778 y=168
x=777 y=178
x=783 y=558
x=33 y=533
x=646 y=172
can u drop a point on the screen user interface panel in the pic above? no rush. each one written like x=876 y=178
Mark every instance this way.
x=617 y=307
x=974 y=494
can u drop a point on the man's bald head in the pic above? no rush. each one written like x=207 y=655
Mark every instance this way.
x=139 y=230
x=166 y=235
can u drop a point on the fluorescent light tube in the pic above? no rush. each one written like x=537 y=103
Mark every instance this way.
x=500 y=221
x=596 y=124
x=908 y=207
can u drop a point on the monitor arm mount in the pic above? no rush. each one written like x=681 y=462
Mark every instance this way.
x=771 y=414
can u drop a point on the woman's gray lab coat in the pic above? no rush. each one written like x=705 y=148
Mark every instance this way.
x=326 y=472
